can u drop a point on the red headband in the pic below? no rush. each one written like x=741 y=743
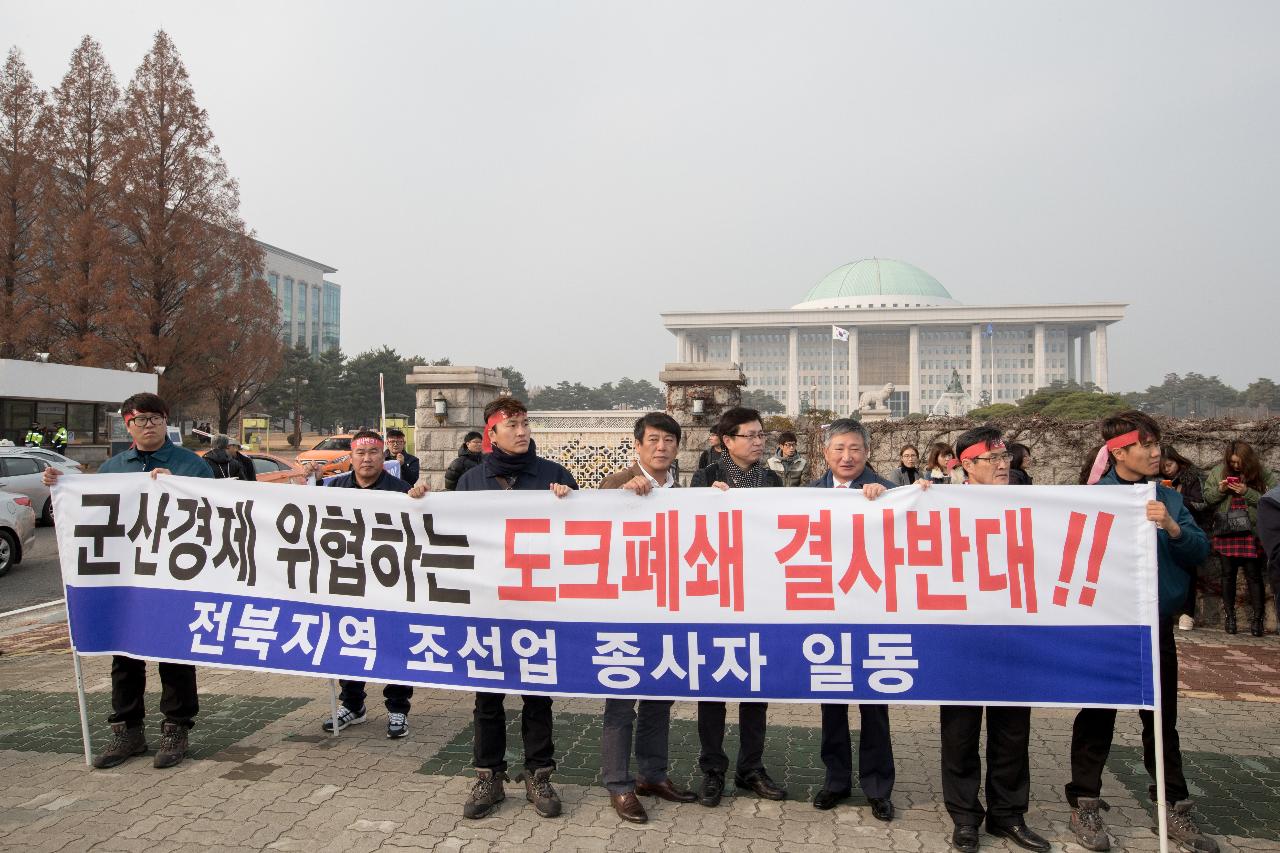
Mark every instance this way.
x=494 y=419
x=366 y=441
x=975 y=450
x=1122 y=441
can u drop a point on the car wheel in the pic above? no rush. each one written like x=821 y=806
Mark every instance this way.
x=46 y=514
x=8 y=548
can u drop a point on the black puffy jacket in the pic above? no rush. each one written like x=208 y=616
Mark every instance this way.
x=465 y=462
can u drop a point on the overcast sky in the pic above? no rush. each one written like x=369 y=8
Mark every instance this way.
x=533 y=183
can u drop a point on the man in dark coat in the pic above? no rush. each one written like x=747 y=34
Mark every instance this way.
x=221 y=462
x=409 y=465
x=468 y=458
x=511 y=462
x=247 y=472
x=845 y=448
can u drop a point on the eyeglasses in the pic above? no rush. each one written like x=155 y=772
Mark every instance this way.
x=147 y=420
x=995 y=458
x=749 y=436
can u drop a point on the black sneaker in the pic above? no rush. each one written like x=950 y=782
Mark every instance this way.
x=397 y=724
x=346 y=717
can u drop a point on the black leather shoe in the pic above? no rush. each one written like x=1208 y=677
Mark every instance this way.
x=881 y=808
x=1020 y=835
x=759 y=782
x=827 y=798
x=965 y=839
x=712 y=790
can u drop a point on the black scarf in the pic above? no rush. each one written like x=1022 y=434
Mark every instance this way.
x=741 y=478
x=499 y=463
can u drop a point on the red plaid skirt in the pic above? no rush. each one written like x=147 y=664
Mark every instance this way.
x=1237 y=545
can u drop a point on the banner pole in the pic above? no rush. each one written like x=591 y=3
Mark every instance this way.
x=1157 y=714
x=85 y=737
x=333 y=704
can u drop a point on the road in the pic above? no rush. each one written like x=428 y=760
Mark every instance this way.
x=37 y=578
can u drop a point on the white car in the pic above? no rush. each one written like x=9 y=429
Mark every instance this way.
x=23 y=474
x=53 y=457
x=17 y=529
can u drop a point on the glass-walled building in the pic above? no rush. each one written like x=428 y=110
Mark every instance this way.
x=310 y=306
x=906 y=336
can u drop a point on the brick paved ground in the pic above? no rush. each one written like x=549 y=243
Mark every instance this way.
x=264 y=777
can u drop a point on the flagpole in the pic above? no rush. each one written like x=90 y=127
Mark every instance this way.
x=831 y=346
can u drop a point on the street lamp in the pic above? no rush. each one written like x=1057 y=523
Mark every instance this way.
x=441 y=406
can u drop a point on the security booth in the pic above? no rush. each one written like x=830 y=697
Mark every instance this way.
x=255 y=433
x=82 y=398
x=404 y=423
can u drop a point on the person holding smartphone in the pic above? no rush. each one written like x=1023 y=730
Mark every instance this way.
x=1232 y=490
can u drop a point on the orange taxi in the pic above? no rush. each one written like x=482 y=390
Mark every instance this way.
x=334 y=453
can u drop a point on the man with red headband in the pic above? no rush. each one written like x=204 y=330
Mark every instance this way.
x=986 y=462
x=145 y=417
x=511 y=462
x=1131 y=455
x=367 y=455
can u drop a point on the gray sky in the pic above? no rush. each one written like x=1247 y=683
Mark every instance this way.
x=532 y=183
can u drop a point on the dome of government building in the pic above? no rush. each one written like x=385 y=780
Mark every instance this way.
x=876 y=283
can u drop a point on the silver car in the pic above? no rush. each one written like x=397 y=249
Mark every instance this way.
x=22 y=473
x=53 y=457
x=17 y=529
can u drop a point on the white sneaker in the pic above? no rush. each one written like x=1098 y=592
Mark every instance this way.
x=1186 y=623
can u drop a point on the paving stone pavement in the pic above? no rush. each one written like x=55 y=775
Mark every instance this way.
x=264 y=777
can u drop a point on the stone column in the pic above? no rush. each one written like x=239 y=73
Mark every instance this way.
x=681 y=338
x=735 y=346
x=1086 y=359
x=1041 y=377
x=1072 y=374
x=1100 y=357
x=853 y=371
x=914 y=403
x=718 y=385
x=793 y=371
x=466 y=391
x=975 y=363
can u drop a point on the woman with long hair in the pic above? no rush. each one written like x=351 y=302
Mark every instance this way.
x=1018 y=475
x=907 y=471
x=1181 y=474
x=941 y=459
x=1232 y=490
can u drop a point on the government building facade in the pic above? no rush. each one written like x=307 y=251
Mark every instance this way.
x=908 y=341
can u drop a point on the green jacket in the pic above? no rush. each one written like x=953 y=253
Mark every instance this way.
x=1216 y=498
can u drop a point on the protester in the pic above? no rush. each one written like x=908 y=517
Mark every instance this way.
x=985 y=461
x=1018 y=475
x=1181 y=474
x=511 y=462
x=1232 y=490
x=657 y=437
x=788 y=462
x=907 y=472
x=1131 y=455
x=715 y=447
x=738 y=467
x=247 y=472
x=409 y=464
x=367 y=456
x=223 y=465
x=942 y=459
x=468 y=458
x=845 y=447
x=145 y=418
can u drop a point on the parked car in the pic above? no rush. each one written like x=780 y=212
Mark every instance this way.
x=272 y=469
x=53 y=457
x=23 y=474
x=17 y=529
x=333 y=452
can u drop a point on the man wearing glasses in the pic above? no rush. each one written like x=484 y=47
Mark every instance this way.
x=739 y=467
x=986 y=463
x=146 y=417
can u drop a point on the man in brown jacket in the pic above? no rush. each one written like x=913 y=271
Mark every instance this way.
x=657 y=441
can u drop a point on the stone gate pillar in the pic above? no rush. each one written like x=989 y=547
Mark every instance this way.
x=466 y=391
x=718 y=385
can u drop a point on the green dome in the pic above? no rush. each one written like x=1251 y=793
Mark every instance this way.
x=873 y=278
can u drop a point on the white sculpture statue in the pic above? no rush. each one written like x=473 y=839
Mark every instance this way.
x=871 y=401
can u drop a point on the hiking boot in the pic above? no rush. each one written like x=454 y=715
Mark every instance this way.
x=173 y=745
x=397 y=724
x=1087 y=824
x=125 y=743
x=538 y=790
x=346 y=717
x=1183 y=829
x=486 y=793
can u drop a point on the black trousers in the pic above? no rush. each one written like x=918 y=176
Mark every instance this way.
x=1189 y=603
x=1094 y=728
x=395 y=696
x=875 y=750
x=178 y=700
x=752 y=721
x=490 y=746
x=1231 y=567
x=1008 y=764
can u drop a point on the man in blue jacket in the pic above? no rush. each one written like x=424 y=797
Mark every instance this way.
x=146 y=417
x=845 y=447
x=510 y=463
x=1133 y=442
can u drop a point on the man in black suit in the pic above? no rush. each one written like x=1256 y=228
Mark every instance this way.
x=845 y=447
